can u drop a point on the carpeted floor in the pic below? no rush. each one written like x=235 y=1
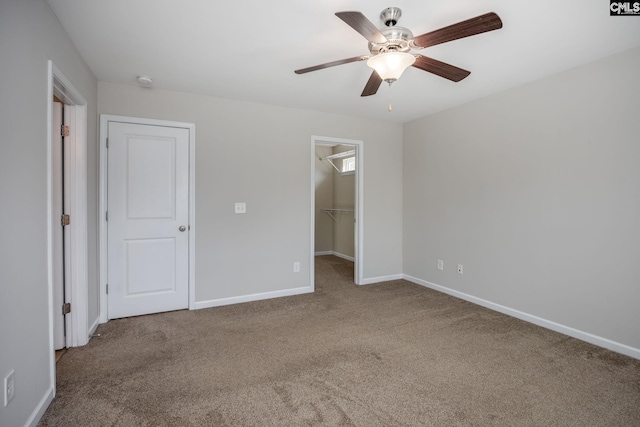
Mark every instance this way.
x=392 y=354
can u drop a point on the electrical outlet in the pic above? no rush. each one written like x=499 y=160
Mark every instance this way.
x=9 y=387
x=440 y=264
x=460 y=270
x=296 y=267
x=241 y=207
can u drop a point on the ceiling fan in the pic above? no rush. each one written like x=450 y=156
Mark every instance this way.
x=390 y=47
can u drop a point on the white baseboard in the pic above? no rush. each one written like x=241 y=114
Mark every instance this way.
x=372 y=280
x=37 y=414
x=343 y=256
x=368 y=281
x=338 y=254
x=575 y=333
x=92 y=328
x=253 y=297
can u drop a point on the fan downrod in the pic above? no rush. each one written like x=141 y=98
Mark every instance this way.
x=390 y=16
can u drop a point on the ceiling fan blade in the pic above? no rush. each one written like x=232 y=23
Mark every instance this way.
x=441 y=69
x=372 y=85
x=361 y=24
x=480 y=24
x=331 y=64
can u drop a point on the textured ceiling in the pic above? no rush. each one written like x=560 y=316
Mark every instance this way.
x=248 y=50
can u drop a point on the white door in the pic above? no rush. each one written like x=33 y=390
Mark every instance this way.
x=58 y=230
x=147 y=208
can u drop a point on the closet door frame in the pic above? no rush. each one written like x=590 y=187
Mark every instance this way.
x=358 y=214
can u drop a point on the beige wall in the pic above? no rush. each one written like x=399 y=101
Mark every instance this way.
x=260 y=155
x=344 y=196
x=30 y=35
x=324 y=199
x=536 y=191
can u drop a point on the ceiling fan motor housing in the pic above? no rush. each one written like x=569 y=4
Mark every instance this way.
x=398 y=38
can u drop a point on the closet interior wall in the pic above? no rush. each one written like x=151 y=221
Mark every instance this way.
x=334 y=234
x=324 y=199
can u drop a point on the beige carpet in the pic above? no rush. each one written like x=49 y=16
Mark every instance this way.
x=392 y=354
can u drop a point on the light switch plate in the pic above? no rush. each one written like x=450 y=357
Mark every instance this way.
x=9 y=387
x=241 y=207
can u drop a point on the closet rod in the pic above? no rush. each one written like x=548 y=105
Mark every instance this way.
x=340 y=155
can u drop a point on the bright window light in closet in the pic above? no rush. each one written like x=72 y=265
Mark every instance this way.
x=349 y=164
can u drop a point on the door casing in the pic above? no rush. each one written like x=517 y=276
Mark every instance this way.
x=359 y=227
x=76 y=286
x=102 y=208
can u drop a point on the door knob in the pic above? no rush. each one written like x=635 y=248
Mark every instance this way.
x=182 y=228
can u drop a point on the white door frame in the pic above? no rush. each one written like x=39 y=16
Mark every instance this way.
x=358 y=215
x=76 y=285
x=102 y=208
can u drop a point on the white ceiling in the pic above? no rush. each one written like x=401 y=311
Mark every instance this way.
x=248 y=50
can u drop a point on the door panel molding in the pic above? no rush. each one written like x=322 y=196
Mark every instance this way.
x=105 y=119
x=148 y=203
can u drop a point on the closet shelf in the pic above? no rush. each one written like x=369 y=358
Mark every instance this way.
x=338 y=156
x=333 y=211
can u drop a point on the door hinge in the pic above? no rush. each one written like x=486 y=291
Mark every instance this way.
x=106 y=215
x=107 y=289
x=107 y=142
x=66 y=308
x=65 y=219
x=64 y=130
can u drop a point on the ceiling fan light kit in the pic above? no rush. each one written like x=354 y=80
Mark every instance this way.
x=391 y=46
x=391 y=65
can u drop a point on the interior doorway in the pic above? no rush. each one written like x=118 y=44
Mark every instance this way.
x=75 y=190
x=74 y=258
x=153 y=271
x=336 y=196
x=60 y=229
x=148 y=218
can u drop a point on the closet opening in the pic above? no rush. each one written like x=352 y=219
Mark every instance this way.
x=337 y=201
